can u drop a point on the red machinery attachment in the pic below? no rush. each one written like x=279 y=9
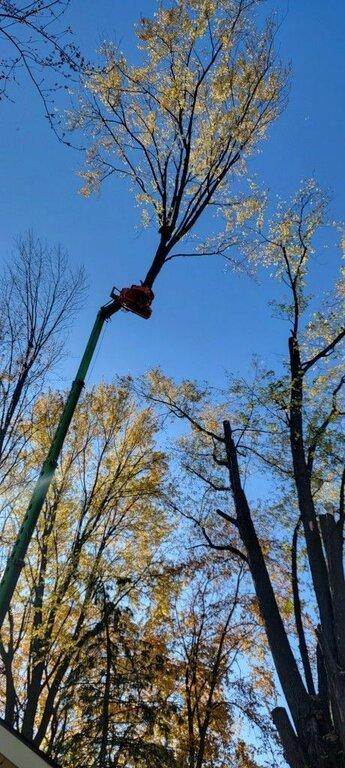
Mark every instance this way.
x=136 y=299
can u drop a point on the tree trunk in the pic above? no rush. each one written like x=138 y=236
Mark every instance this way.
x=336 y=688
x=291 y=747
x=303 y=649
x=306 y=712
x=38 y=645
x=106 y=696
x=332 y=536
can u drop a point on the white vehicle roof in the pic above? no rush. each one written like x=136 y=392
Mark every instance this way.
x=18 y=752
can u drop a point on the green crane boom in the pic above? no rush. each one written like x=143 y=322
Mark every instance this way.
x=135 y=299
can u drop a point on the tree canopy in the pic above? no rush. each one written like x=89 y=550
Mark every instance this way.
x=180 y=125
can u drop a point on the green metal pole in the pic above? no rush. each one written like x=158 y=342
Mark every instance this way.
x=16 y=559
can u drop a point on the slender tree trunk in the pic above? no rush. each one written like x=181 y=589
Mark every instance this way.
x=16 y=395
x=298 y=616
x=106 y=696
x=316 y=556
x=204 y=726
x=38 y=645
x=190 y=720
x=291 y=746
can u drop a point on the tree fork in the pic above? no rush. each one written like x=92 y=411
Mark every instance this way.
x=287 y=669
x=299 y=701
x=15 y=561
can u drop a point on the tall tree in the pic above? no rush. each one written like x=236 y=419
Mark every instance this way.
x=39 y=295
x=289 y=423
x=178 y=126
x=102 y=524
x=213 y=629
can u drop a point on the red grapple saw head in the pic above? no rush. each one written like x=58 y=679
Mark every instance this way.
x=137 y=299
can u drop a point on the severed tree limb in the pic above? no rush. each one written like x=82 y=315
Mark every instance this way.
x=227 y=517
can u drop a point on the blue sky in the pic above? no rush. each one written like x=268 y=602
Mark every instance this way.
x=205 y=321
